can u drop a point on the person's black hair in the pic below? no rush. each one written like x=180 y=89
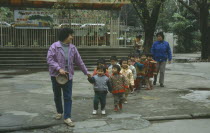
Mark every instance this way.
x=160 y=34
x=116 y=66
x=113 y=58
x=136 y=55
x=102 y=67
x=139 y=36
x=123 y=59
x=131 y=55
x=101 y=61
x=149 y=55
x=142 y=54
x=64 y=33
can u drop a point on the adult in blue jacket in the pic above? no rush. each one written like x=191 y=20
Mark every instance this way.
x=161 y=54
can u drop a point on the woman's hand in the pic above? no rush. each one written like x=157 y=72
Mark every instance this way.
x=61 y=71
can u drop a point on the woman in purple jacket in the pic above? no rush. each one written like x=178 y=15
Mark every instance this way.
x=161 y=53
x=61 y=57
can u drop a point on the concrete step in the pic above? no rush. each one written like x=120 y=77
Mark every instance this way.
x=41 y=66
x=36 y=58
x=91 y=61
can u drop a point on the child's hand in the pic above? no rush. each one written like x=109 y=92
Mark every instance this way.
x=89 y=75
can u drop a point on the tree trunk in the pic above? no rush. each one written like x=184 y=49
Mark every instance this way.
x=204 y=32
x=149 y=34
x=208 y=41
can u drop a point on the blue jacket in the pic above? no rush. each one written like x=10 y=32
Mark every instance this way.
x=161 y=51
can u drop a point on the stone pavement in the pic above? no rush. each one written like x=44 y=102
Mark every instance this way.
x=27 y=102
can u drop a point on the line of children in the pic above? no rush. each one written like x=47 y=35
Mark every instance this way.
x=121 y=80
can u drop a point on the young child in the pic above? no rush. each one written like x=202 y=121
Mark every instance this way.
x=138 y=44
x=119 y=84
x=129 y=75
x=132 y=58
x=101 y=62
x=101 y=86
x=133 y=69
x=139 y=68
x=113 y=61
x=143 y=60
x=151 y=71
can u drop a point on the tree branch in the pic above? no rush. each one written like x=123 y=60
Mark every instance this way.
x=156 y=11
x=139 y=14
x=197 y=2
x=189 y=8
x=144 y=9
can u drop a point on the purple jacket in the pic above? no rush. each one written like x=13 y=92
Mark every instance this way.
x=56 y=59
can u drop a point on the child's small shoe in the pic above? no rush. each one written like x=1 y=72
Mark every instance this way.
x=125 y=102
x=116 y=109
x=103 y=112
x=133 y=90
x=94 y=112
x=120 y=106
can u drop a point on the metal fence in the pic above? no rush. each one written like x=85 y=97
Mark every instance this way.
x=87 y=33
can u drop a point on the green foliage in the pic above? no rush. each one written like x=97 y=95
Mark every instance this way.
x=5 y=13
x=44 y=18
x=186 y=29
x=129 y=16
x=165 y=17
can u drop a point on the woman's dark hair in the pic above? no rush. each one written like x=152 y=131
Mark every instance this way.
x=123 y=59
x=102 y=67
x=113 y=58
x=64 y=33
x=117 y=66
x=160 y=34
x=139 y=36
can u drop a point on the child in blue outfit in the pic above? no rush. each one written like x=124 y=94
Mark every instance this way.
x=101 y=86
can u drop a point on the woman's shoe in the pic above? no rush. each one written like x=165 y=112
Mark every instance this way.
x=69 y=122
x=58 y=116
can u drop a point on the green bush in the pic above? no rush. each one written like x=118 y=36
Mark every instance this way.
x=188 y=35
